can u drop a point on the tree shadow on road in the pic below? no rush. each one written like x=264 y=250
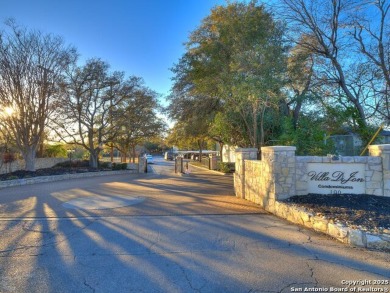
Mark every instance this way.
x=190 y=234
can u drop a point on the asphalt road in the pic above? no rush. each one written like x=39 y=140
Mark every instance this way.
x=160 y=232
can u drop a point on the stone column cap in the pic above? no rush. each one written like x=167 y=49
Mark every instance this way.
x=279 y=148
x=246 y=150
x=385 y=147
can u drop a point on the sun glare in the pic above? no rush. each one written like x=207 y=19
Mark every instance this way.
x=8 y=111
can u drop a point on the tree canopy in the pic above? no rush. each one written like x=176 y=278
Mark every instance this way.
x=32 y=65
x=234 y=63
x=260 y=74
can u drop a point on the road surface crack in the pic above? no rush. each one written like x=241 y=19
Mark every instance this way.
x=48 y=242
x=312 y=273
x=189 y=281
x=89 y=286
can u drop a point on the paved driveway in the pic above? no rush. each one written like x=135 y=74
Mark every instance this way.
x=160 y=232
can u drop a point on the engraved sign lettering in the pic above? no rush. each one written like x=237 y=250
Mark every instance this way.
x=324 y=178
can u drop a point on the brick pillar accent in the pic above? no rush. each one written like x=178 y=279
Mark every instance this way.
x=280 y=180
x=383 y=151
x=239 y=175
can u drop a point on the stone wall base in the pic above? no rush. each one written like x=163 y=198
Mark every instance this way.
x=353 y=237
x=40 y=163
x=40 y=179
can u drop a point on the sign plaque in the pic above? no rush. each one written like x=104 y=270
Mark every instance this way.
x=336 y=178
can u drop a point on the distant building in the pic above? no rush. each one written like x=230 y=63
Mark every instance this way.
x=351 y=144
x=228 y=153
x=384 y=137
x=347 y=144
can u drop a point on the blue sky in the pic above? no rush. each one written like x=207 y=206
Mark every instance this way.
x=143 y=37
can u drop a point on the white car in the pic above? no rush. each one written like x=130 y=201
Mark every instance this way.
x=149 y=159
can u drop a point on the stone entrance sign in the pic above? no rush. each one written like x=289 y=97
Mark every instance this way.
x=336 y=178
x=280 y=174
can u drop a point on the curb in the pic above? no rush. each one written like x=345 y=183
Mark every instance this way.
x=348 y=235
x=42 y=179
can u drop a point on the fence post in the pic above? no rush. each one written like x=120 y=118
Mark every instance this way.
x=213 y=162
x=179 y=165
x=142 y=167
x=239 y=175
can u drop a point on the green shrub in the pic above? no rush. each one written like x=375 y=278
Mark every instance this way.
x=223 y=167
x=232 y=166
x=55 y=151
x=308 y=137
x=104 y=165
x=65 y=164
x=119 y=166
x=75 y=164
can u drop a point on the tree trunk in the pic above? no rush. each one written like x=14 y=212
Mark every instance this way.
x=296 y=112
x=255 y=137
x=262 y=114
x=133 y=152
x=93 y=160
x=221 y=144
x=41 y=150
x=350 y=96
x=200 y=145
x=29 y=158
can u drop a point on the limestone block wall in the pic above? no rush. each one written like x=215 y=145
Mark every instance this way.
x=280 y=174
x=280 y=170
x=239 y=175
x=40 y=163
x=254 y=183
x=268 y=180
x=382 y=151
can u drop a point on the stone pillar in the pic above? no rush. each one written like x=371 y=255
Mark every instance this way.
x=383 y=151
x=179 y=166
x=280 y=171
x=213 y=162
x=239 y=175
x=142 y=165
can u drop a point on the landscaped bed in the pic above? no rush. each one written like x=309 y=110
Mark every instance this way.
x=61 y=169
x=365 y=212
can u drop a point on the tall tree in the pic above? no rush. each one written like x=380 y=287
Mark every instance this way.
x=372 y=33
x=235 y=57
x=31 y=66
x=138 y=120
x=181 y=137
x=323 y=28
x=89 y=98
x=299 y=87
